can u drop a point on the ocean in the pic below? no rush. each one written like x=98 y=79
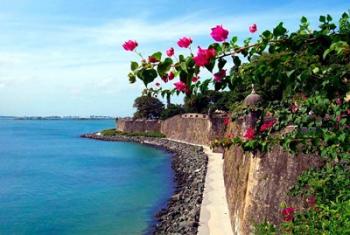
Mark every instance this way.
x=54 y=182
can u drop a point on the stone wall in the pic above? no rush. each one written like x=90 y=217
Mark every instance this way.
x=190 y=127
x=256 y=185
x=138 y=125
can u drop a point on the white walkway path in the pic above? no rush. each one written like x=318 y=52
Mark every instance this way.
x=214 y=217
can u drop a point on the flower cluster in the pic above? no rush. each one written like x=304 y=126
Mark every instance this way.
x=220 y=75
x=170 y=52
x=249 y=133
x=288 y=214
x=184 y=42
x=203 y=56
x=267 y=125
x=180 y=86
x=155 y=66
x=253 y=28
x=130 y=45
x=219 y=34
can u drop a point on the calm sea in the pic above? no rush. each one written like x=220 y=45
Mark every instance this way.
x=53 y=182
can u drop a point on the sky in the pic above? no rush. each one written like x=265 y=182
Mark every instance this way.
x=64 y=57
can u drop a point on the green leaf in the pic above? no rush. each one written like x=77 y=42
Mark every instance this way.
x=247 y=41
x=279 y=30
x=303 y=20
x=190 y=62
x=157 y=55
x=289 y=73
x=221 y=63
x=234 y=40
x=132 y=78
x=322 y=19
x=211 y=65
x=183 y=76
x=183 y=66
x=217 y=47
x=316 y=70
x=204 y=86
x=181 y=58
x=342 y=138
x=134 y=65
x=267 y=34
x=329 y=18
x=164 y=67
x=236 y=61
x=148 y=76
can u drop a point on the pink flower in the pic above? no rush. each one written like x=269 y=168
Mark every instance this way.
x=203 y=56
x=311 y=201
x=288 y=214
x=267 y=125
x=195 y=79
x=211 y=53
x=249 y=134
x=348 y=112
x=226 y=121
x=339 y=101
x=184 y=42
x=130 y=45
x=170 y=52
x=165 y=78
x=220 y=75
x=253 y=28
x=180 y=86
x=152 y=59
x=157 y=84
x=294 y=107
x=201 y=59
x=218 y=33
x=171 y=76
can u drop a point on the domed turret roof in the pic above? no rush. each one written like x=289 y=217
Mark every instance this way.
x=253 y=98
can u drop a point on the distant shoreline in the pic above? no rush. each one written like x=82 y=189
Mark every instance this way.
x=189 y=162
x=57 y=118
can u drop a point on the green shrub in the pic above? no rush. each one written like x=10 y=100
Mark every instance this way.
x=114 y=132
x=148 y=107
x=171 y=110
x=108 y=132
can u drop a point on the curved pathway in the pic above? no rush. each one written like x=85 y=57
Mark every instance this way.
x=214 y=216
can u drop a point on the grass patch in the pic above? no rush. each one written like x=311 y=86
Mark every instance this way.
x=114 y=132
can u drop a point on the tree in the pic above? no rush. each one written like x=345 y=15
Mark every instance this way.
x=148 y=107
x=172 y=110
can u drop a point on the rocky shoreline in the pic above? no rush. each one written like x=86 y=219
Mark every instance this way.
x=181 y=215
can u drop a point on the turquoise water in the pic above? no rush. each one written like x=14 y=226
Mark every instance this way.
x=53 y=182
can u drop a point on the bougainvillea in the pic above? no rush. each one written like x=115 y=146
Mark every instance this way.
x=184 y=42
x=253 y=28
x=219 y=34
x=130 y=45
x=304 y=80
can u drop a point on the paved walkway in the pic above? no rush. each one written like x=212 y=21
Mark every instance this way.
x=214 y=217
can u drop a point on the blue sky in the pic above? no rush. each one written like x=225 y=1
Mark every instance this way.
x=64 y=57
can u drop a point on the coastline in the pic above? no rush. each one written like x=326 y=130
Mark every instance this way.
x=189 y=162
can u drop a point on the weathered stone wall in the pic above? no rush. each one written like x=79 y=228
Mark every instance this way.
x=218 y=127
x=190 y=127
x=256 y=185
x=138 y=125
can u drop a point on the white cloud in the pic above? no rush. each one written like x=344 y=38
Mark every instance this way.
x=89 y=62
